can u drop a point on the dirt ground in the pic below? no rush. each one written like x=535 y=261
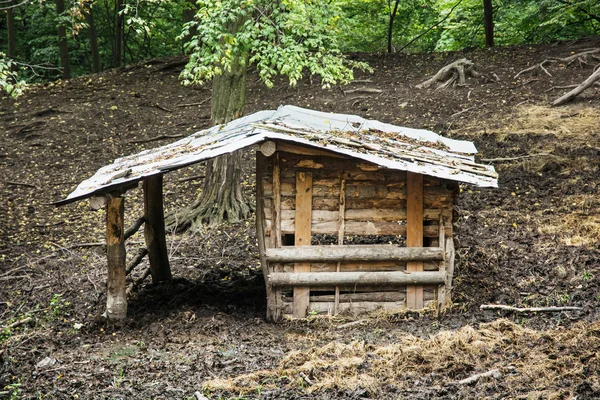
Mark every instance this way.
x=532 y=242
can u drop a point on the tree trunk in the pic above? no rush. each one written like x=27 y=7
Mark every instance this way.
x=12 y=38
x=488 y=20
x=221 y=199
x=189 y=11
x=118 y=45
x=391 y=26
x=93 y=38
x=62 y=41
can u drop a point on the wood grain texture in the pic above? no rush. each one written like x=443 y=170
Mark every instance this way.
x=316 y=279
x=154 y=229
x=304 y=193
x=116 y=299
x=414 y=234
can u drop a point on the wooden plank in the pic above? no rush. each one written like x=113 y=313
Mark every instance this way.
x=154 y=229
x=116 y=299
x=304 y=194
x=315 y=279
x=353 y=253
x=414 y=235
x=305 y=150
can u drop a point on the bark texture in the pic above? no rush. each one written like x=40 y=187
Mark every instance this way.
x=93 y=38
x=63 y=47
x=116 y=299
x=221 y=199
x=11 y=51
x=118 y=45
x=488 y=21
x=154 y=229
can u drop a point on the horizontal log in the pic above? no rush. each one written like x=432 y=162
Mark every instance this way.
x=359 y=307
x=380 y=228
x=351 y=266
x=376 y=214
x=315 y=279
x=352 y=253
x=354 y=297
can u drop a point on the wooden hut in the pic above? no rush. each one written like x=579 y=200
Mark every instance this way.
x=352 y=214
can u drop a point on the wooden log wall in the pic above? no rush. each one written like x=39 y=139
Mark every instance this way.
x=373 y=203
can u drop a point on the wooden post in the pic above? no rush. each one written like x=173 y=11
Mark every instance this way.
x=414 y=234
x=302 y=237
x=342 y=220
x=154 y=230
x=273 y=314
x=116 y=301
x=276 y=233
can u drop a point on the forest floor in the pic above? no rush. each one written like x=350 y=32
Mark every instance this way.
x=532 y=242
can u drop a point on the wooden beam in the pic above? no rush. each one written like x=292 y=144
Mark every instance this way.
x=315 y=279
x=268 y=148
x=154 y=230
x=302 y=237
x=414 y=234
x=116 y=299
x=329 y=253
x=273 y=312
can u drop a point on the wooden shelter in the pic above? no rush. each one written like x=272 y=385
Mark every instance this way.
x=352 y=214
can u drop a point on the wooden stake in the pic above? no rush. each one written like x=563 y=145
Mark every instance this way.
x=273 y=313
x=342 y=219
x=116 y=301
x=154 y=230
x=414 y=234
x=302 y=238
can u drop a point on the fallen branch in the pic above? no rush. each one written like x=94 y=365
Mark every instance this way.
x=536 y=66
x=138 y=281
x=528 y=309
x=136 y=260
x=578 y=90
x=191 y=178
x=155 y=138
x=21 y=184
x=457 y=70
x=494 y=373
x=515 y=158
x=351 y=324
x=527 y=82
x=19 y=323
x=162 y=108
x=134 y=228
x=194 y=104
x=362 y=90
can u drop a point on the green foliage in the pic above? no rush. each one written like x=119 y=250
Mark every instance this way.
x=9 y=79
x=287 y=37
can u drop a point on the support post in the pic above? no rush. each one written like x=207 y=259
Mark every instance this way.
x=302 y=238
x=154 y=229
x=273 y=313
x=414 y=234
x=116 y=301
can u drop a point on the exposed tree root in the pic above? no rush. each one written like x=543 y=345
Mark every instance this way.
x=579 y=89
x=221 y=199
x=451 y=73
x=582 y=58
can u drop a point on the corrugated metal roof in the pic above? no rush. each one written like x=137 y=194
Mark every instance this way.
x=386 y=145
